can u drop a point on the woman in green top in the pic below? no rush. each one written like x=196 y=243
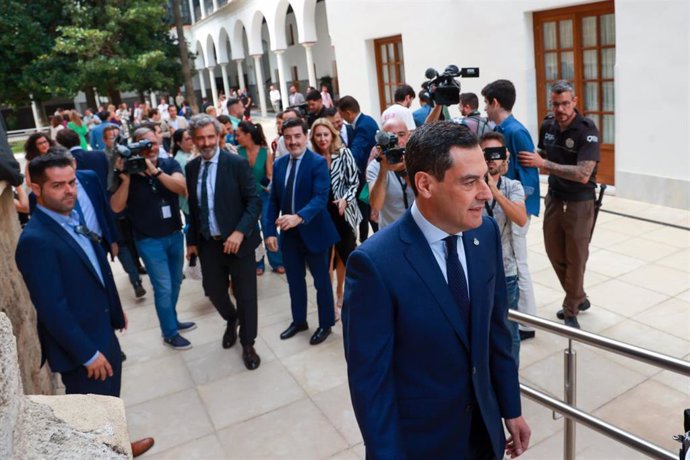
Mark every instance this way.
x=253 y=147
x=77 y=125
x=183 y=151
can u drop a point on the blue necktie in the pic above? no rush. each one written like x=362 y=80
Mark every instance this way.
x=290 y=186
x=203 y=204
x=456 y=279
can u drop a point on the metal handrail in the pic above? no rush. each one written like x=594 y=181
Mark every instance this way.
x=650 y=357
x=597 y=424
x=567 y=409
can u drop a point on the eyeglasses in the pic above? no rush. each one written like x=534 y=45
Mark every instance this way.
x=565 y=104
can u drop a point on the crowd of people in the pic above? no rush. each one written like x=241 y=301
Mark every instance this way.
x=214 y=184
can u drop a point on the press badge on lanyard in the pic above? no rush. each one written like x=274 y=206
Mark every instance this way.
x=166 y=210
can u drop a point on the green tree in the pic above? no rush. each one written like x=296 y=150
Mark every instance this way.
x=27 y=35
x=118 y=45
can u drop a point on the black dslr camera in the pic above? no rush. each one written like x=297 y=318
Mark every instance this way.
x=495 y=153
x=135 y=163
x=387 y=143
x=443 y=88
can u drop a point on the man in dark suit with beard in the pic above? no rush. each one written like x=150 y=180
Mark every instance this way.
x=224 y=208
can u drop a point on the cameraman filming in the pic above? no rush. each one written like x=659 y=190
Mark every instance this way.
x=151 y=198
x=389 y=191
x=471 y=117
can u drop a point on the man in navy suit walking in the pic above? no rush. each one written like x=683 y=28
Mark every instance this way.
x=299 y=194
x=363 y=140
x=425 y=318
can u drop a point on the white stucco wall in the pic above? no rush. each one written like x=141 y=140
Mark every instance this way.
x=651 y=71
x=652 y=53
x=652 y=100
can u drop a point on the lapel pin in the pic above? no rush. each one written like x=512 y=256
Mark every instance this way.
x=476 y=242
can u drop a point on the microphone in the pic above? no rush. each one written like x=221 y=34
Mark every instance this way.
x=430 y=73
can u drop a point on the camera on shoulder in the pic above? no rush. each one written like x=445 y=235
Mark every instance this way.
x=444 y=88
x=135 y=163
x=388 y=144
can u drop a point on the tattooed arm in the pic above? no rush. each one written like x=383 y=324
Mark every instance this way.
x=580 y=172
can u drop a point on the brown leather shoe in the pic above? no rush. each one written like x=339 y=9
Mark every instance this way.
x=251 y=359
x=141 y=446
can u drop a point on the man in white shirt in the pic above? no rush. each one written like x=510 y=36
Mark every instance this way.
x=274 y=96
x=403 y=98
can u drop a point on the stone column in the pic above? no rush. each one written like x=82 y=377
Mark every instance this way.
x=191 y=10
x=226 y=83
x=282 y=83
x=240 y=73
x=260 y=87
x=202 y=8
x=16 y=304
x=154 y=102
x=36 y=113
x=310 y=63
x=214 y=89
x=215 y=5
x=202 y=84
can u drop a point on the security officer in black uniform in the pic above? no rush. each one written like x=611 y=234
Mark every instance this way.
x=570 y=143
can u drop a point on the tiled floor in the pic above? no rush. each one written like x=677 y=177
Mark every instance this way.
x=202 y=403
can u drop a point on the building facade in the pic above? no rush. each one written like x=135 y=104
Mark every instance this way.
x=629 y=60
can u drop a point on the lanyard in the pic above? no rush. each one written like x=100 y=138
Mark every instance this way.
x=490 y=209
x=403 y=186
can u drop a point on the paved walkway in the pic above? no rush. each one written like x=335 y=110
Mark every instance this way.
x=202 y=403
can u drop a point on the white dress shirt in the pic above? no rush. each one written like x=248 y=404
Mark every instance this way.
x=434 y=236
x=210 y=189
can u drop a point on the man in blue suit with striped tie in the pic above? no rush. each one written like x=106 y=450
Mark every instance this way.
x=425 y=317
x=299 y=194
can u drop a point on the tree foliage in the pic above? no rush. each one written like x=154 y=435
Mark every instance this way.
x=59 y=47
x=27 y=36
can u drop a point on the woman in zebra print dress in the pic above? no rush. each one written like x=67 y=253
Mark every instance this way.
x=342 y=204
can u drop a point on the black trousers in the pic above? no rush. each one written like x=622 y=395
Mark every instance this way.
x=219 y=270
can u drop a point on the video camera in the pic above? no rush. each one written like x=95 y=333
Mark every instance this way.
x=301 y=109
x=388 y=144
x=443 y=88
x=135 y=163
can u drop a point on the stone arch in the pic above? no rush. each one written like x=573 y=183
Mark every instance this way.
x=305 y=14
x=236 y=44
x=210 y=53
x=200 y=61
x=276 y=19
x=224 y=46
x=254 y=33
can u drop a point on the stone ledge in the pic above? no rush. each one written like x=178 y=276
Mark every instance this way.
x=98 y=420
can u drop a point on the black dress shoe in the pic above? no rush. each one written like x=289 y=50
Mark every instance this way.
x=582 y=307
x=250 y=358
x=139 y=290
x=293 y=329
x=525 y=335
x=572 y=322
x=230 y=336
x=123 y=356
x=320 y=335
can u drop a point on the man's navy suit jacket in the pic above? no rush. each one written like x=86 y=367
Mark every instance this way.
x=95 y=160
x=363 y=140
x=312 y=187
x=77 y=314
x=416 y=371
